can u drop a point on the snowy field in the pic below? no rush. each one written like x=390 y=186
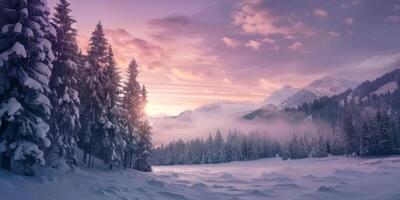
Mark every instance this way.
x=328 y=178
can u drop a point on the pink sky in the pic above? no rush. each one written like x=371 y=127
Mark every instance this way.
x=195 y=52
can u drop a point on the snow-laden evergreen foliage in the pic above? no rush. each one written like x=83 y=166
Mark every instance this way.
x=25 y=69
x=114 y=139
x=241 y=147
x=367 y=122
x=114 y=127
x=215 y=149
x=131 y=103
x=64 y=95
x=104 y=118
x=144 y=144
x=95 y=100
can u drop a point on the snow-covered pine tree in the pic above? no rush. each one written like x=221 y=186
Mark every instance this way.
x=302 y=151
x=218 y=147
x=131 y=104
x=94 y=118
x=229 y=145
x=293 y=148
x=64 y=96
x=209 y=150
x=350 y=134
x=245 y=148
x=319 y=149
x=25 y=67
x=115 y=143
x=143 y=147
x=384 y=143
x=365 y=140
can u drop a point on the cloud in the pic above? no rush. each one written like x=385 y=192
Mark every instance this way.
x=370 y=67
x=350 y=3
x=333 y=34
x=230 y=42
x=269 y=41
x=296 y=46
x=253 y=20
x=227 y=80
x=393 y=19
x=172 y=27
x=253 y=44
x=268 y=85
x=183 y=75
x=349 y=21
x=253 y=17
x=185 y=38
x=126 y=46
x=318 y=12
x=272 y=43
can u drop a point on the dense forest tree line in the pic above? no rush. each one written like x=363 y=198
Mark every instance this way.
x=239 y=146
x=55 y=100
x=216 y=149
x=369 y=122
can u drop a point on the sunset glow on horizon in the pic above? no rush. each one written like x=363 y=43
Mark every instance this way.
x=196 y=52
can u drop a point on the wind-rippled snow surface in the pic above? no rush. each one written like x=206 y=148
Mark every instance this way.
x=328 y=178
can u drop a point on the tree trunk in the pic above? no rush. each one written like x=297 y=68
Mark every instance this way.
x=125 y=159
x=90 y=152
x=5 y=162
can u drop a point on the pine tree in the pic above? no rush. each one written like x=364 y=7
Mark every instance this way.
x=229 y=145
x=293 y=150
x=384 y=144
x=131 y=104
x=209 y=151
x=245 y=149
x=350 y=134
x=218 y=146
x=365 y=143
x=114 y=139
x=302 y=148
x=25 y=68
x=320 y=148
x=98 y=56
x=144 y=145
x=94 y=117
x=64 y=96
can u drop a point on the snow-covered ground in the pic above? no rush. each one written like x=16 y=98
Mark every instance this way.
x=327 y=178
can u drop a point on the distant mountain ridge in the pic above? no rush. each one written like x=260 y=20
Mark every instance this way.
x=278 y=96
x=340 y=92
x=289 y=97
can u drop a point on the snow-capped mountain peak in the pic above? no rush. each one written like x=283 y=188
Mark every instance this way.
x=303 y=96
x=278 y=96
x=329 y=86
x=289 y=96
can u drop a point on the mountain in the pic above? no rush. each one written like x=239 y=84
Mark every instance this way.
x=303 y=96
x=329 y=86
x=386 y=88
x=289 y=97
x=364 y=101
x=326 y=86
x=278 y=96
x=267 y=111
